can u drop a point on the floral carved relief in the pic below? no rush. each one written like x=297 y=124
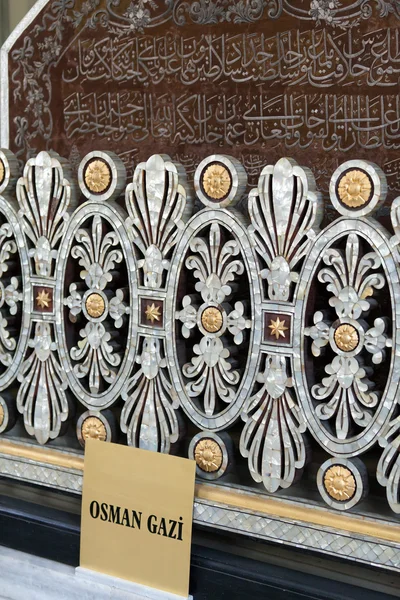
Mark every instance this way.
x=347 y=395
x=99 y=256
x=217 y=267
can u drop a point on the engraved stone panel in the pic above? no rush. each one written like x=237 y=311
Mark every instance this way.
x=314 y=79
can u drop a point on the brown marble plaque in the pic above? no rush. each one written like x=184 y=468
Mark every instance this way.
x=316 y=80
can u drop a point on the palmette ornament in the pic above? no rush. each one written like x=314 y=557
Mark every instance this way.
x=272 y=437
x=42 y=394
x=155 y=220
x=149 y=416
x=159 y=203
x=46 y=197
x=269 y=326
x=285 y=212
x=217 y=320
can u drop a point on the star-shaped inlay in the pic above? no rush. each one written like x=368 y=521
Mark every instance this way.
x=43 y=299
x=153 y=313
x=278 y=328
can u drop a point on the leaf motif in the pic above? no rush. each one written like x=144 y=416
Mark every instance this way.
x=285 y=215
x=388 y=469
x=395 y=218
x=45 y=196
x=41 y=397
x=159 y=205
x=149 y=417
x=272 y=438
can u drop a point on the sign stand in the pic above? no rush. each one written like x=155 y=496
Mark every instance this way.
x=137 y=514
x=128 y=589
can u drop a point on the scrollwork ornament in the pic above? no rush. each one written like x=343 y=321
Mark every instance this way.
x=212 y=12
x=149 y=417
x=388 y=469
x=331 y=13
x=215 y=265
x=159 y=203
x=215 y=324
x=395 y=219
x=389 y=7
x=346 y=410
x=46 y=195
x=136 y=17
x=346 y=394
x=99 y=255
x=194 y=333
x=285 y=212
x=15 y=295
x=42 y=398
x=97 y=340
x=10 y=295
x=273 y=438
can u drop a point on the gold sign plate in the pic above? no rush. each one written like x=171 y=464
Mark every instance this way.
x=137 y=512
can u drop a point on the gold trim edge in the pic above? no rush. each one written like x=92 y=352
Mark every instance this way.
x=56 y=458
x=234 y=498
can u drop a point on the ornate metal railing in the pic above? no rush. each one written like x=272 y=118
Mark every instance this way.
x=144 y=316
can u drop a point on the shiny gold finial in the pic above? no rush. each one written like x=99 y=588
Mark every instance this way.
x=97 y=176
x=93 y=428
x=355 y=189
x=212 y=319
x=216 y=181
x=43 y=299
x=339 y=483
x=346 y=337
x=208 y=455
x=95 y=306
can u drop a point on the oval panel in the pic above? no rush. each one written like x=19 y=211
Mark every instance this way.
x=15 y=295
x=97 y=328
x=213 y=323
x=345 y=328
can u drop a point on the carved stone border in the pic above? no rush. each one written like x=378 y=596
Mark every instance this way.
x=4 y=53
